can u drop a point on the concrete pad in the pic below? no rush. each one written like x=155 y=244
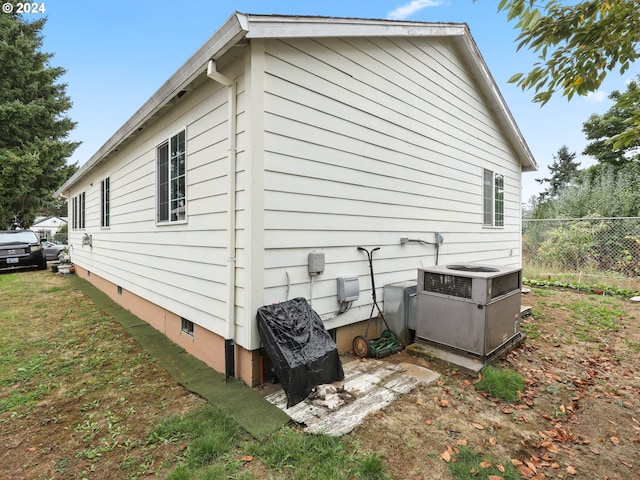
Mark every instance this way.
x=373 y=384
x=468 y=365
x=416 y=371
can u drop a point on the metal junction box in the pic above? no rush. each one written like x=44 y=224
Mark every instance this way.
x=470 y=308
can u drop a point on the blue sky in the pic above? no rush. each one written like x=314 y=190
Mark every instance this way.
x=117 y=53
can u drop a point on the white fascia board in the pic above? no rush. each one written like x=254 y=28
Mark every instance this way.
x=505 y=118
x=231 y=32
x=274 y=26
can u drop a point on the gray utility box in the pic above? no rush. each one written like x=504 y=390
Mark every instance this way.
x=400 y=301
x=470 y=308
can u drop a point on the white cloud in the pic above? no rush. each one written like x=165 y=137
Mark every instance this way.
x=408 y=9
x=598 y=96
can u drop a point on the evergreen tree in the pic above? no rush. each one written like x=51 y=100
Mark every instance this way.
x=33 y=127
x=563 y=170
x=604 y=130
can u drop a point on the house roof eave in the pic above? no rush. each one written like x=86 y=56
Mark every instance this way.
x=231 y=32
x=498 y=105
x=240 y=26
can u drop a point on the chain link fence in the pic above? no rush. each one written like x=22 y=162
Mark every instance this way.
x=590 y=251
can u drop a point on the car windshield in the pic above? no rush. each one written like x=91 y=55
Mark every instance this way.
x=17 y=237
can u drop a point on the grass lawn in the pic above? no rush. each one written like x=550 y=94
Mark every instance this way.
x=79 y=398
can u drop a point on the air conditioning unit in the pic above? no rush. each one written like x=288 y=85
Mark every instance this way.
x=470 y=308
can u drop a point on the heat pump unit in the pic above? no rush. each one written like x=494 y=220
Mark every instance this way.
x=471 y=308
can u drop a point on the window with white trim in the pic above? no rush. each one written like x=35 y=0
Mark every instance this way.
x=171 y=160
x=77 y=211
x=105 y=202
x=493 y=199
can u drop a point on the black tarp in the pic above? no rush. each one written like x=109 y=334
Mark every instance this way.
x=302 y=352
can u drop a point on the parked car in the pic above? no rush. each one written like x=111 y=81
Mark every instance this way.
x=52 y=250
x=21 y=248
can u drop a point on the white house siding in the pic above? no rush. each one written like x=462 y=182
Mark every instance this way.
x=367 y=141
x=180 y=267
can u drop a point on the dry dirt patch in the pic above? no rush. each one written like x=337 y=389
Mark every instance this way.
x=579 y=416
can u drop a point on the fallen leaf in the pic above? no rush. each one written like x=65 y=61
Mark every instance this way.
x=444 y=403
x=525 y=471
x=247 y=458
x=515 y=462
x=486 y=464
x=555 y=466
x=594 y=451
x=615 y=440
x=625 y=463
x=428 y=422
x=495 y=477
x=501 y=468
x=492 y=441
x=478 y=426
x=571 y=470
x=418 y=402
x=32 y=449
x=462 y=442
x=446 y=456
x=532 y=467
x=507 y=411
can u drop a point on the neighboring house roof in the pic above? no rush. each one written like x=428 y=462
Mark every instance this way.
x=51 y=221
x=242 y=26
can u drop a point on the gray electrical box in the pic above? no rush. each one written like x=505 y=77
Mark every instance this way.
x=316 y=263
x=400 y=302
x=348 y=289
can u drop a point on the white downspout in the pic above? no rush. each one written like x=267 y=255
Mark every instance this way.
x=213 y=74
